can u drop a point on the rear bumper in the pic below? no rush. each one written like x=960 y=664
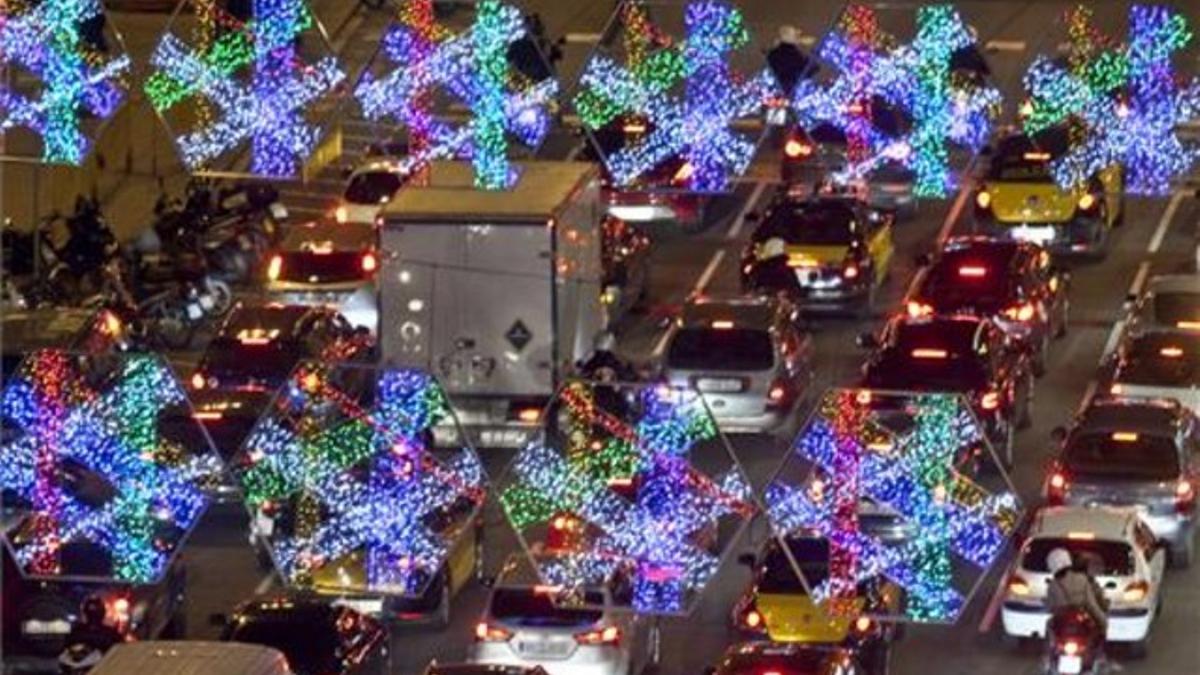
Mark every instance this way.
x=502 y=655
x=1080 y=235
x=750 y=424
x=359 y=305
x=647 y=207
x=1029 y=621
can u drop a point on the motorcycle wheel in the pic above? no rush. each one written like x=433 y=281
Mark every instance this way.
x=222 y=296
x=172 y=328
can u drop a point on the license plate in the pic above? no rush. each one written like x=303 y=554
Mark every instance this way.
x=52 y=627
x=369 y=606
x=545 y=649
x=719 y=385
x=1070 y=665
x=502 y=438
x=1037 y=235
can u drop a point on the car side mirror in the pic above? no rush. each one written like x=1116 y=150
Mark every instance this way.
x=746 y=559
x=1059 y=434
x=866 y=341
x=218 y=620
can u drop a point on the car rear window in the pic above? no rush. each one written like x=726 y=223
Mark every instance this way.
x=778 y=575
x=822 y=223
x=1173 y=308
x=533 y=608
x=898 y=369
x=311 y=647
x=970 y=279
x=1028 y=160
x=270 y=361
x=1168 y=360
x=321 y=268
x=372 y=187
x=1114 y=558
x=1122 y=455
x=734 y=349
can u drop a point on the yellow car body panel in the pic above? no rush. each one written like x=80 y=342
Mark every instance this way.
x=880 y=248
x=794 y=617
x=1017 y=202
x=348 y=573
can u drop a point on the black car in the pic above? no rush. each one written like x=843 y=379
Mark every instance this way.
x=255 y=350
x=761 y=658
x=960 y=354
x=39 y=614
x=1012 y=283
x=76 y=330
x=826 y=251
x=318 y=637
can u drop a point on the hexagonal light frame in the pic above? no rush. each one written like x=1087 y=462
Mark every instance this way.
x=47 y=42
x=912 y=463
x=108 y=424
x=680 y=93
x=344 y=486
x=631 y=488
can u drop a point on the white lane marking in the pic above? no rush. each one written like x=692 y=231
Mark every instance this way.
x=583 y=38
x=265 y=585
x=1005 y=46
x=661 y=345
x=738 y=222
x=1087 y=396
x=1119 y=326
x=955 y=211
x=707 y=275
x=575 y=152
x=1164 y=223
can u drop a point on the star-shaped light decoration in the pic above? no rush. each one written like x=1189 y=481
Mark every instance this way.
x=694 y=125
x=61 y=46
x=917 y=461
x=99 y=484
x=250 y=83
x=345 y=486
x=614 y=497
x=473 y=67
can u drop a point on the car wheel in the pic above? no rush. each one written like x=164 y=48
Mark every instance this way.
x=1181 y=556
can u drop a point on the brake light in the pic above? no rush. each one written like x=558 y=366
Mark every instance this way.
x=1171 y=352
x=369 y=262
x=850 y=271
x=488 y=633
x=118 y=608
x=341 y=214
x=972 y=271
x=1022 y=312
x=529 y=415
x=1136 y=592
x=1185 y=496
x=275 y=267
x=1188 y=325
x=990 y=400
x=110 y=324
x=863 y=397
x=1017 y=586
x=684 y=173
x=198 y=380
x=795 y=148
x=1125 y=437
x=983 y=199
x=753 y=619
x=1087 y=202
x=606 y=636
x=1070 y=648
x=862 y=624
x=208 y=415
x=722 y=325
x=1037 y=156
x=777 y=393
x=929 y=353
x=635 y=128
x=1116 y=389
x=918 y=309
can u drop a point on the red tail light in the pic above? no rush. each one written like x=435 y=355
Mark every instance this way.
x=1022 y=312
x=983 y=199
x=753 y=619
x=601 y=636
x=990 y=401
x=275 y=267
x=797 y=148
x=1017 y=585
x=1185 y=496
x=198 y=380
x=370 y=262
x=1136 y=591
x=1056 y=488
x=485 y=632
x=850 y=271
x=917 y=309
x=1088 y=202
x=779 y=393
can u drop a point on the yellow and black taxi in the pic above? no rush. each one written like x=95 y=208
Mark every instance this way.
x=778 y=606
x=1014 y=283
x=827 y=252
x=1019 y=198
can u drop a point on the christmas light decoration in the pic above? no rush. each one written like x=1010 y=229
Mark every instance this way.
x=473 y=67
x=617 y=464
x=693 y=125
x=79 y=79
x=913 y=455
x=255 y=77
x=945 y=106
x=101 y=484
x=356 y=496
x=1123 y=107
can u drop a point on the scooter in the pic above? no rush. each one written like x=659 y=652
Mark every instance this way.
x=1076 y=646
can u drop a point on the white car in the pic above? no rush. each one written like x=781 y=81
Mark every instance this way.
x=368 y=188
x=1158 y=365
x=323 y=263
x=1130 y=560
x=526 y=624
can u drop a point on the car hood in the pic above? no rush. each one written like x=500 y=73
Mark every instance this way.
x=1031 y=202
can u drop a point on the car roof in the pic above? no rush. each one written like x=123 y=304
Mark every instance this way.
x=981 y=245
x=300 y=607
x=267 y=316
x=192 y=657
x=1105 y=522
x=381 y=165
x=343 y=236
x=753 y=311
x=1142 y=415
x=53 y=327
x=1174 y=283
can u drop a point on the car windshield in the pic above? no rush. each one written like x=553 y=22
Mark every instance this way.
x=734 y=349
x=1175 y=308
x=321 y=268
x=819 y=223
x=311 y=647
x=1114 y=558
x=1122 y=455
x=372 y=187
x=970 y=278
x=1163 y=360
x=1026 y=160
x=778 y=575
x=533 y=608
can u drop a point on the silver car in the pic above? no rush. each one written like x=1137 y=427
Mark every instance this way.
x=747 y=356
x=1159 y=365
x=1169 y=303
x=1138 y=453
x=526 y=624
x=329 y=264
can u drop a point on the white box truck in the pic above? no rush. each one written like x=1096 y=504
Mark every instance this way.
x=496 y=293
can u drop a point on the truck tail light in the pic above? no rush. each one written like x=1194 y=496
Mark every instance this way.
x=610 y=635
x=275 y=267
x=485 y=632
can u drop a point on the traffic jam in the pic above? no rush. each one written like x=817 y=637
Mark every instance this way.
x=696 y=336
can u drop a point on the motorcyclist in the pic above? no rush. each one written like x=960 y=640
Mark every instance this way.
x=1073 y=586
x=789 y=64
x=604 y=358
x=92 y=629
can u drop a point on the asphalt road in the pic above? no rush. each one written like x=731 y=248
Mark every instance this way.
x=1158 y=237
